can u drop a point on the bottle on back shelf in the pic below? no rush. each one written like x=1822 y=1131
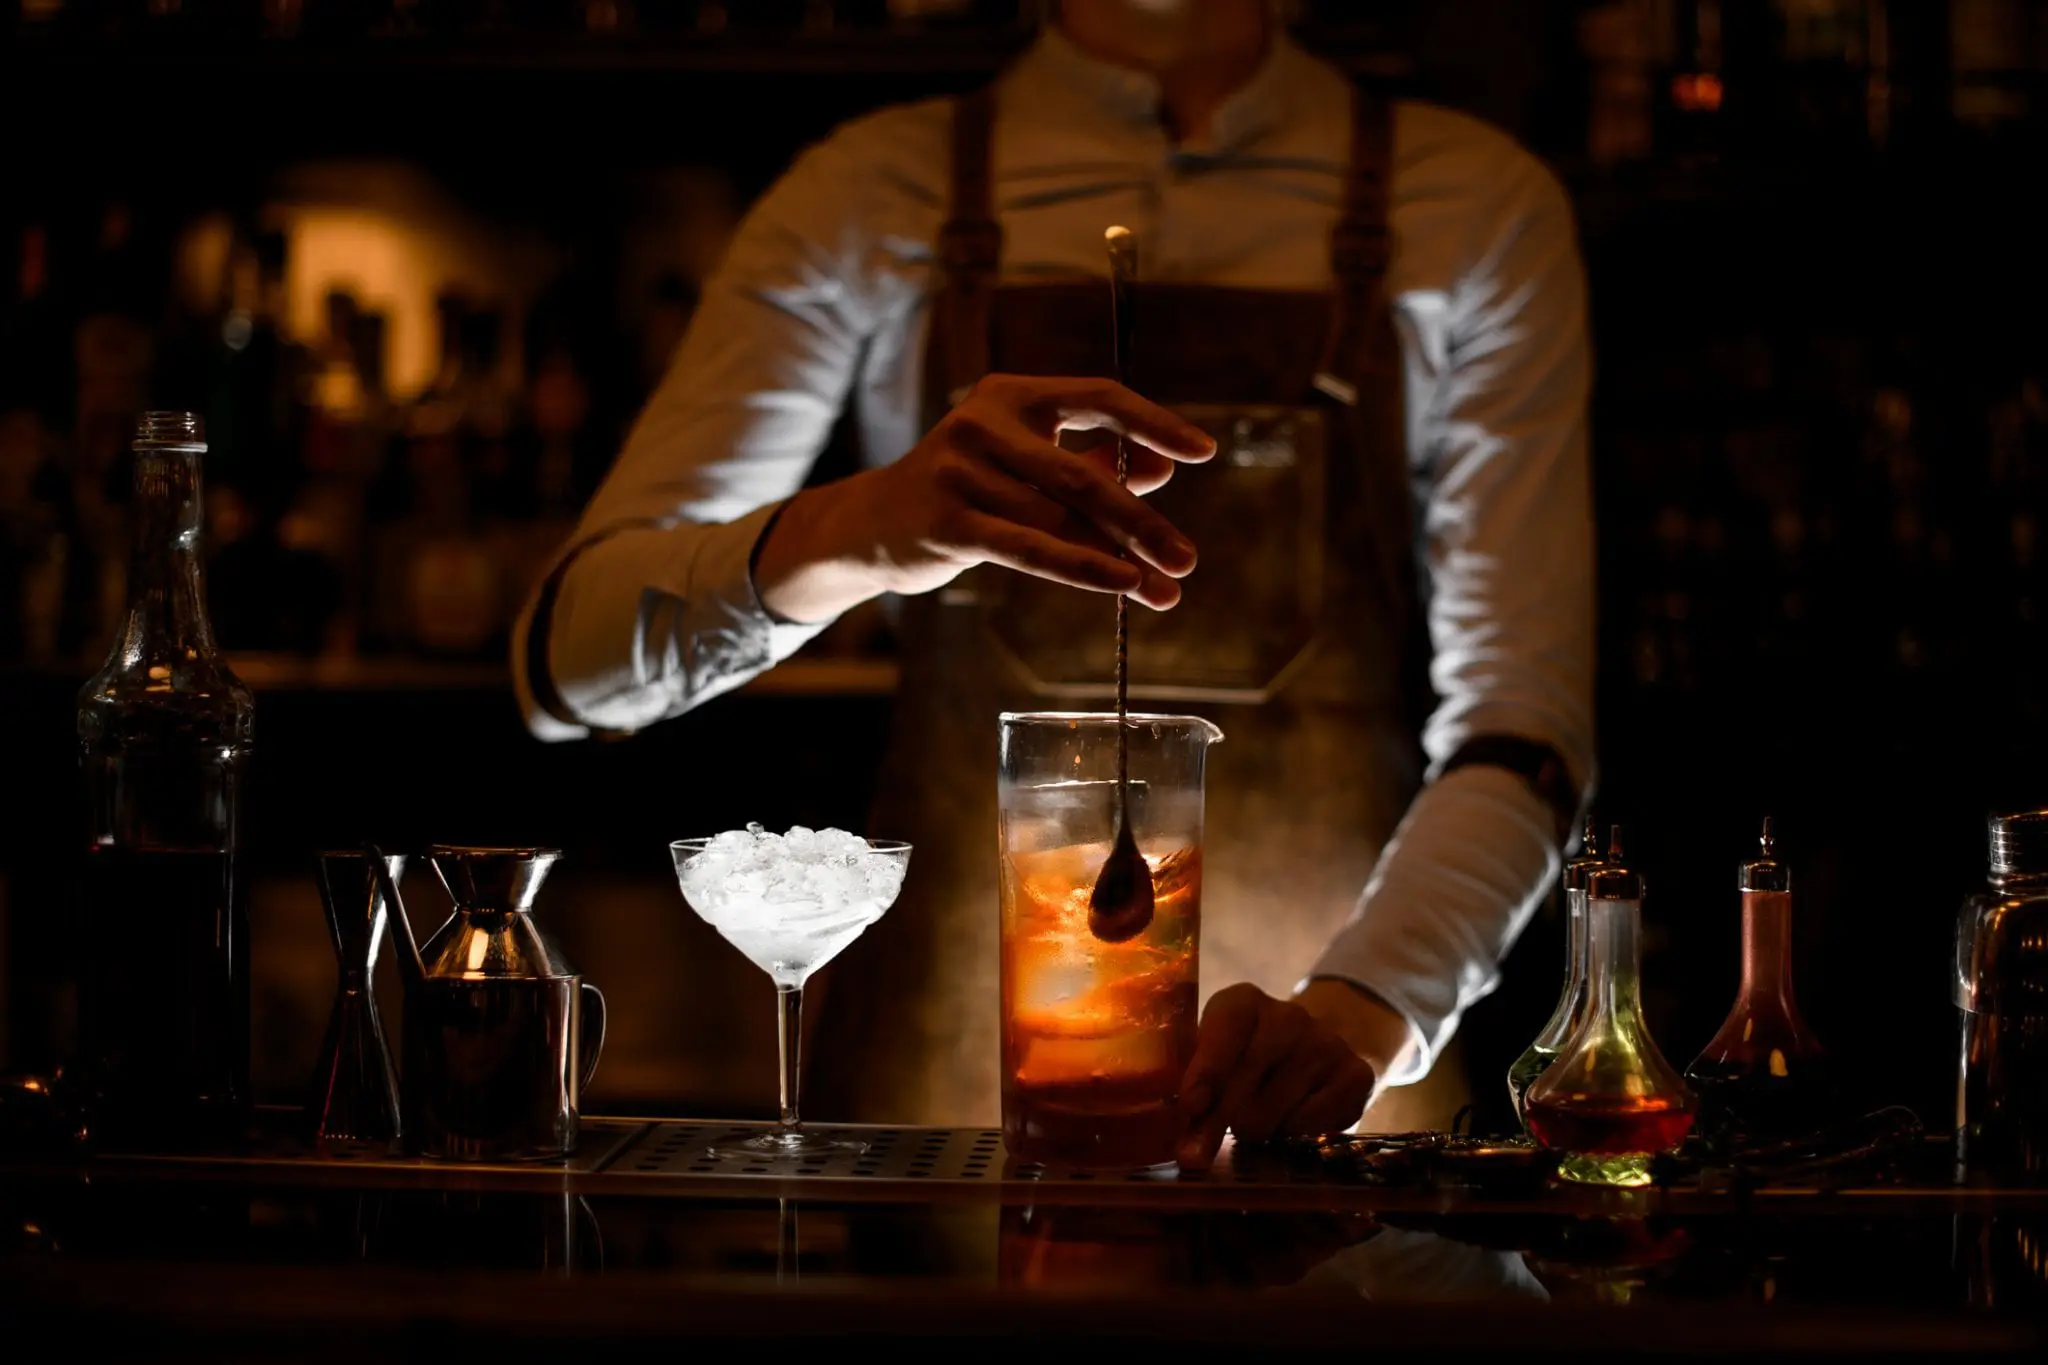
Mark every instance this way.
x=164 y=730
x=35 y=526
x=439 y=584
x=324 y=524
x=114 y=350
x=270 y=591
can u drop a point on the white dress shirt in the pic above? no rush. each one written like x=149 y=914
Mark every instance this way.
x=823 y=300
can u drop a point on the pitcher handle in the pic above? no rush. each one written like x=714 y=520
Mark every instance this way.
x=593 y=1031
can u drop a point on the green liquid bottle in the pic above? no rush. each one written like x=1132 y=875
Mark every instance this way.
x=1610 y=1101
x=1571 y=1004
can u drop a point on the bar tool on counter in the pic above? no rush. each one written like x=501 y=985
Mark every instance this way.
x=2001 y=994
x=1764 y=1074
x=355 y=1088
x=501 y=1034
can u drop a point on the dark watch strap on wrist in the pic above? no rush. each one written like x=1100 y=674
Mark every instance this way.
x=1535 y=762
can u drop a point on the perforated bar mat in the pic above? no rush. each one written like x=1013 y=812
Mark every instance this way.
x=937 y=1156
x=601 y=1142
x=677 y=1154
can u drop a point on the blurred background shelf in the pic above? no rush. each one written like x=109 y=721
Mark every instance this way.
x=399 y=674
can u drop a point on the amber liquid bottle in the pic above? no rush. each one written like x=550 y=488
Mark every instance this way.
x=1764 y=1075
x=164 y=731
x=1610 y=1102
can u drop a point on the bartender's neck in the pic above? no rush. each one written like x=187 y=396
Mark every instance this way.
x=1200 y=51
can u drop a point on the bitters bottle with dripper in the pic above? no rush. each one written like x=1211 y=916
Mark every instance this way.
x=1611 y=1102
x=1571 y=1002
x=1764 y=1074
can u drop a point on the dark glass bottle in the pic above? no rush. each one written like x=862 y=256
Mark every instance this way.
x=164 y=732
x=1764 y=1074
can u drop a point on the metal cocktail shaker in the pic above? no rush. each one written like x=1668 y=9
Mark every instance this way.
x=2001 y=992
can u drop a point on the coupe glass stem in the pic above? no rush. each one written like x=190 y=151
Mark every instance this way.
x=789 y=1032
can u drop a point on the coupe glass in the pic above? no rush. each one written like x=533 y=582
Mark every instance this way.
x=789 y=920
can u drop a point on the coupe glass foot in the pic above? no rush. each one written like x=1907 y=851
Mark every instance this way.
x=797 y=1146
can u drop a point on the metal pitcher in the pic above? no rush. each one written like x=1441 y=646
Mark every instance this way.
x=501 y=1034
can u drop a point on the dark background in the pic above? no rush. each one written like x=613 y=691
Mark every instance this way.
x=1820 y=433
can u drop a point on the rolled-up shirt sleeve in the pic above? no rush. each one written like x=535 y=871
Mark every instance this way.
x=653 y=609
x=1507 y=543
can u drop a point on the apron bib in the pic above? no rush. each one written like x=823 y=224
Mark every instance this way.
x=1298 y=634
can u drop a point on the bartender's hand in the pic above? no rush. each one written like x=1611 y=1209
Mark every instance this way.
x=1267 y=1068
x=991 y=484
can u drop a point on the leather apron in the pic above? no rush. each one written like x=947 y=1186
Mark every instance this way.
x=1298 y=634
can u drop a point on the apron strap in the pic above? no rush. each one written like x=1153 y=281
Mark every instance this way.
x=1361 y=372
x=1358 y=345
x=970 y=249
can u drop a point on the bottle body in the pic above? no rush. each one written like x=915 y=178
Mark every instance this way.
x=1611 y=1102
x=1764 y=1074
x=164 y=732
x=1526 y=1069
x=1537 y=1057
x=2002 y=1009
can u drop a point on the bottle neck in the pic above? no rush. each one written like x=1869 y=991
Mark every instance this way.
x=166 y=593
x=1767 y=948
x=1614 y=963
x=1574 y=940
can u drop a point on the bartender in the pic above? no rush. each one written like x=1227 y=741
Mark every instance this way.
x=1357 y=512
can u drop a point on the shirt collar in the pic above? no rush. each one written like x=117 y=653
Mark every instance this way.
x=1091 y=88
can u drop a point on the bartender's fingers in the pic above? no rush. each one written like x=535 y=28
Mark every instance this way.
x=1248 y=1039
x=1053 y=405
x=1337 y=1103
x=1044 y=555
x=1270 y=1112
x=1146 y=471
x=1228 y=1023
x=1078 y=482
x=1282 y=1029
x=992 y=491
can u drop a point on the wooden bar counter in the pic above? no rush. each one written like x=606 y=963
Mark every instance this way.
x=934 y=1240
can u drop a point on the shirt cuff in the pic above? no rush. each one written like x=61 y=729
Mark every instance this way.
x=1468 y=866
x=694 y=625
x=722 y=578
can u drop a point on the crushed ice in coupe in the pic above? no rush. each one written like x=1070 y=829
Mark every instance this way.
x=791 y=902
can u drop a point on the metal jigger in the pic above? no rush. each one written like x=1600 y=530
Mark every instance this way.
x=355 y=1091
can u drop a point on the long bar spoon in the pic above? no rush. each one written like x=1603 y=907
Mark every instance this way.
x=1120 y=906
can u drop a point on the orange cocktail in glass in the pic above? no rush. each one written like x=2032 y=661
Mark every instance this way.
x=1097 y=1035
